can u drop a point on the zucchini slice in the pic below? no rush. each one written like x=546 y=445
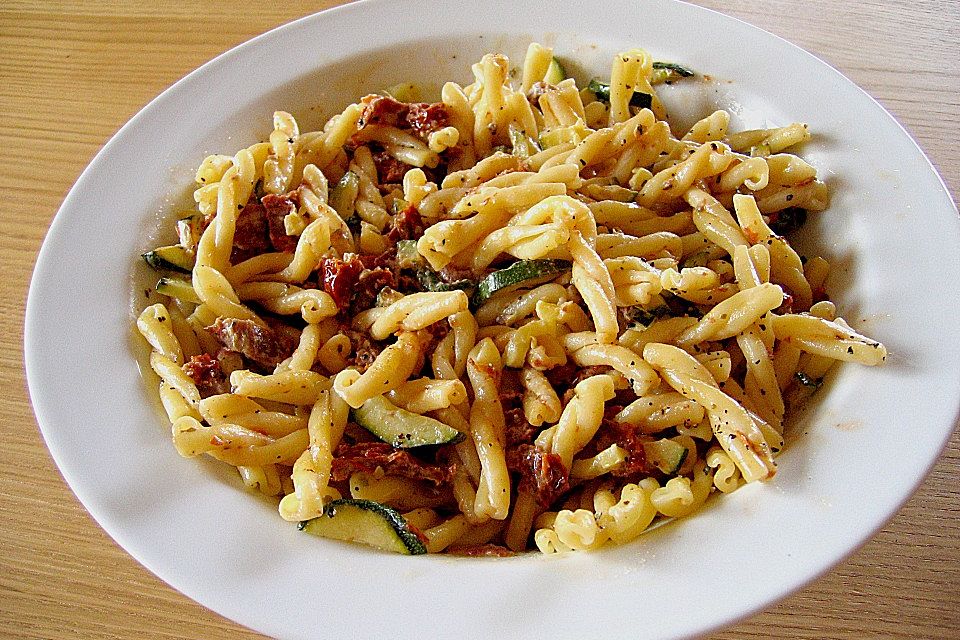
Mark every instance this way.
x=178 y=288
x=401 y=428
x=645 y=315
x=801 y=388
x=366 y=522
x=344 y=195
x=666 y=455
x=602 y=91
x=171 y=258
x=408 y=257
x=555 y=72
x=519 y=272
x=668 y=72
x=430 y=281
x=523 y=145
x=189 y=230
x=807 y=381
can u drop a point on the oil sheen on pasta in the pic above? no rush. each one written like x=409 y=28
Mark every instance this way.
x=528 y=315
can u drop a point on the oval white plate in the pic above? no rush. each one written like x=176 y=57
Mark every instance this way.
x=869 y=439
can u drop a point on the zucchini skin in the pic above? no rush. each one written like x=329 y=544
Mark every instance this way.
x=341 y=519
x=666 y=455
x=515 y=274
x=602 y=91
x=171 y=258
x=663 y=72
x=407 y=255
x=430 y=281
x=669 y=71
x=409 y=258
x=189 y=229
x=555 y=72
x=177 y=288
x=341 y=196
x=401 y=428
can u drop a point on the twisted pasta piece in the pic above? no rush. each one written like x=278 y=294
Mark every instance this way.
x=486 y=428
x=734 y=428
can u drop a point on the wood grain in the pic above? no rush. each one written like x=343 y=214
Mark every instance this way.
x=74 y=72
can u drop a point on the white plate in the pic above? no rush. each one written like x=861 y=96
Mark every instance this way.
x=891 y=232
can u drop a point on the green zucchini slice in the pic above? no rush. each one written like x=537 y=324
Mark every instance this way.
x=555 y=72
x=645 y=315
x=522 y=271
x=401 y=428
x=366 y=522
x=523 y=145
x=344 y=195
x=178 y=288
x=408 y=257
x=171 y=258
x=668 y=72
x=189 y=230
x=602 y=91
x=666 y=455
x=430 y=281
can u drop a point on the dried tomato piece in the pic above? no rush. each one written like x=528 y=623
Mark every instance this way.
x=389 y=169
x=338 y=278
x=542 y=474
x=250 y=235
x=517 y=430
x=425 y=119
x=367 y=456
x=382 y=110
x=277 y=207
x=266 y=346
x=206 y=373
x=407 y=225
x=369 y=283
x=628 y=437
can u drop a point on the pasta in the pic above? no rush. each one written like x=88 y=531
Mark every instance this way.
x=526 y=316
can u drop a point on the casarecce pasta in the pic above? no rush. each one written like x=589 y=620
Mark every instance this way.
x=526 y=316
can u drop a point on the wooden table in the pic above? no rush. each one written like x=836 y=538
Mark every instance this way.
x=74 y=71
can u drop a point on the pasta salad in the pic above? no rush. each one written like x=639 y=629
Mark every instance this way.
x=530 y=315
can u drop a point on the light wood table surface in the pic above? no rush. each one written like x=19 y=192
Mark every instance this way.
x=72 y=72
